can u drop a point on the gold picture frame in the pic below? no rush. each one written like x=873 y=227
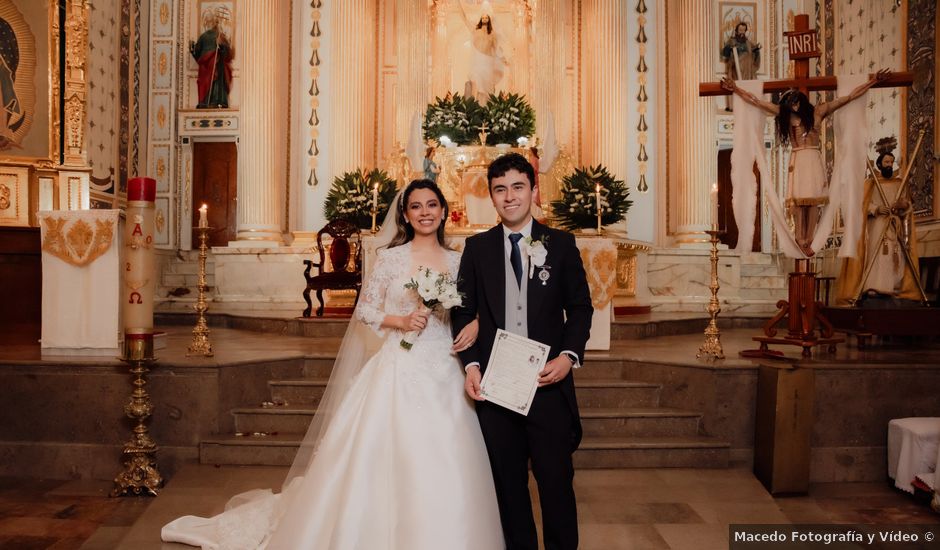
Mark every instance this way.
x=29 y=44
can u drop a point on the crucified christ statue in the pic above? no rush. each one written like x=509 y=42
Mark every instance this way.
x=797 y=125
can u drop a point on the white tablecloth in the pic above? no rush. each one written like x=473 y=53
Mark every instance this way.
x=913 y=449
x=80 y=281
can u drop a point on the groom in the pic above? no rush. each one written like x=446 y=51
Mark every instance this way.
x=547 y=301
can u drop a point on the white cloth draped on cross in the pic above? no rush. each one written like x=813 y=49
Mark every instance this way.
x=845 y=191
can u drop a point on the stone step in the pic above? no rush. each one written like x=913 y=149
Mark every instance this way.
x=304 y=391
x=764 y=281
x=591 y=392
x=599 y=392
x=761 y=271
x=595 y=452
x=614 y=421
x=639 y=422
x=652 y=452
x=768 y=294
x=678 y=319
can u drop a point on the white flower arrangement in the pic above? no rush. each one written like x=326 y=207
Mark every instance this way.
x=435 y=289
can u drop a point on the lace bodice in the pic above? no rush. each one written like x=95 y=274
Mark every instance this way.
x=384 y=292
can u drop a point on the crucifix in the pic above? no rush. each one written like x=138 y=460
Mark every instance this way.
x=801 y=310
x=483 y=133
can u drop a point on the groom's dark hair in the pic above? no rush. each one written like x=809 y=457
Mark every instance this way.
x=505 y=163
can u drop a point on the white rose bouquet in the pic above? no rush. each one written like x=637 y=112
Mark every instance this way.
x=435 y=289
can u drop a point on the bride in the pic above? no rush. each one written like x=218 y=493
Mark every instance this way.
x=394 y=458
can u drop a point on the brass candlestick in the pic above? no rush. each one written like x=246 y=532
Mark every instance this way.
x=374 y=214
x=200 y=344
x=711 y=349
x=140 y=475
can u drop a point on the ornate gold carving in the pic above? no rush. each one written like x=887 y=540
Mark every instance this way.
x=164 y=13
x=626 y=272
x=140 y=474
x=159 y=220
x=80 y=244
x=161 y=167
x=161 y=116
x=314 y=123
x=4 y=197
x=76 y=38
x=162 y=64
x=74 y=121
x=600 y=266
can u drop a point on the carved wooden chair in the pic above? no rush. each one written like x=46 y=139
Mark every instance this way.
x=344 y=270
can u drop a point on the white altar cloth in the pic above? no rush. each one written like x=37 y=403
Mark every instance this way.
x=80 y=282
x=913 y=451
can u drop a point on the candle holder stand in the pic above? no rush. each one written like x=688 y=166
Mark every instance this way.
x=711 y=349
x=200 y=344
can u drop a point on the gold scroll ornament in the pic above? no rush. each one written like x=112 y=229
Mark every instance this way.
x=80 y=244
x=600 y=265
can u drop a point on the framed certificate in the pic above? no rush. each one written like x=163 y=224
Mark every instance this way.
x=512 y=372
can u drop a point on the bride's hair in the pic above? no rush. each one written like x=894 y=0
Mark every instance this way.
x=406 y=233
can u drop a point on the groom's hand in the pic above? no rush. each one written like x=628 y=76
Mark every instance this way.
x=555 y=370
x=472 y=384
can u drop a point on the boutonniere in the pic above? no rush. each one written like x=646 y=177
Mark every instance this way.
x=535 y=251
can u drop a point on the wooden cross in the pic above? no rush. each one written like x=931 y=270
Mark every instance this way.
x=804 y=45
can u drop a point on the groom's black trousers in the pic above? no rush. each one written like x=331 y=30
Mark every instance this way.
x=545 y=437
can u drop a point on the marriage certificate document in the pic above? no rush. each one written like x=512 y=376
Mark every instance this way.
x=512 y=373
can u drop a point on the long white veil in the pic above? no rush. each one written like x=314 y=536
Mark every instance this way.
x=359 y=343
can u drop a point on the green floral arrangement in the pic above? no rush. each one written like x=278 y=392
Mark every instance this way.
x=577 y=207
x=455 y=116
x=350 y=197
x=508 y=117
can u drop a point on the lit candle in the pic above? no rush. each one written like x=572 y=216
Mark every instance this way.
x=597 y=196
x=714 y=205
x=375 y=204
x=138 y=290
x=203 y=220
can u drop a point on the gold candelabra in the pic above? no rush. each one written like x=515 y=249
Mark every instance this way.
x=711 y=349
x=201 y=344
x=140 y=475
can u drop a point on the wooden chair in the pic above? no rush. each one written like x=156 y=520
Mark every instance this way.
x=344 y=236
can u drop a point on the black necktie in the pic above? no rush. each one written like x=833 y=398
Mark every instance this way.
x=515 y=257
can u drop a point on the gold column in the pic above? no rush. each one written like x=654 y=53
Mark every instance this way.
x=412 y=87
x=693 y=160
x=261 y=152
x=547 y=78
x=352 y=120
x=604 y=58
x=76 y=89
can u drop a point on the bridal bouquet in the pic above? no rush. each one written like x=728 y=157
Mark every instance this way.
x=435 y=289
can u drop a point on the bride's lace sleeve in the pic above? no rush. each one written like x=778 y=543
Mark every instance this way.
x=371 y=307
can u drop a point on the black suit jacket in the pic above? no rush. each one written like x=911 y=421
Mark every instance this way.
x=559 y=312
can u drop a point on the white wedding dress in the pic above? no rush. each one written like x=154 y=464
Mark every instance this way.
x=400 y=464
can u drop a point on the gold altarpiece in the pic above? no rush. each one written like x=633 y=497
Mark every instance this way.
x=35 y=171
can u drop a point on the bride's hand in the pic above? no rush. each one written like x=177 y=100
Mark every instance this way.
x=416 y=320
x=467 y=336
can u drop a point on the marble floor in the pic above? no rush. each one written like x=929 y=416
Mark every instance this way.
x=618 y=509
